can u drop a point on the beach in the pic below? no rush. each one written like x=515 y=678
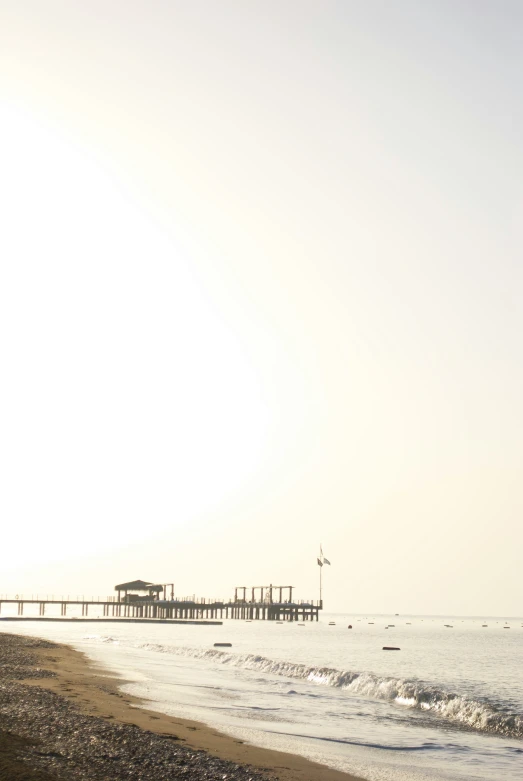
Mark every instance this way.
x=63 y=717
x=291 y=701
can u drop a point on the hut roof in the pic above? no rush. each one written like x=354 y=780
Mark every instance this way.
x=155 y=587
x=134 y=585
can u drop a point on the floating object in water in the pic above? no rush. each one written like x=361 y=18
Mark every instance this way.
x=279 y=622
x=408 y=623
x=223 y=645
x=484 y=625
x=449 y=626
x=349 y=626
x=506 y=627
x=371 y=623
x=390 y=648
x=332 y=623
x=393 y=626
x=301 y=624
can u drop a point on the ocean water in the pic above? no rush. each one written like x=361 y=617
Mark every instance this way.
x=448 y=705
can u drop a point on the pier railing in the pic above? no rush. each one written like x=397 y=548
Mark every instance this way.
x=193 y=600
x=137 y=607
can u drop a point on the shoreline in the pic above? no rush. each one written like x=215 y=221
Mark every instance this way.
x=94 y=693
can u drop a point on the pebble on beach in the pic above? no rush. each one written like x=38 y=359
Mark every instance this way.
x=44 y=737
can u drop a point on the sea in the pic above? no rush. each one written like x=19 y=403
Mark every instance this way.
x=448 y=705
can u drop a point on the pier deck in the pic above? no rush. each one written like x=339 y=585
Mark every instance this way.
x=169 y=609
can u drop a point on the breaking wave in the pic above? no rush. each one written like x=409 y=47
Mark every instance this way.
x=475 y=714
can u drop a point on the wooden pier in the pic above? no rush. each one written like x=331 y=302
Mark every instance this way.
x=266 y=603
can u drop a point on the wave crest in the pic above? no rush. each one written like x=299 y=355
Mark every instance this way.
x=475 y=714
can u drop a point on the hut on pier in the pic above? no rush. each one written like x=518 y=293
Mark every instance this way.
x=138 y=591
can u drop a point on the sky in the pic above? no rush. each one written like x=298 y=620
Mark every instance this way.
x=260 y=290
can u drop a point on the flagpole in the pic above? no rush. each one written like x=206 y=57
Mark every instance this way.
x=321 y=561
x=321 y=567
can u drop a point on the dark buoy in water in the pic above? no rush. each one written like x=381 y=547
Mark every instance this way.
x=349 y=626
x=391 y=648
x=223 y=645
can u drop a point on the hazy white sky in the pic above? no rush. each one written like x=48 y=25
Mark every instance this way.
x=260 y=287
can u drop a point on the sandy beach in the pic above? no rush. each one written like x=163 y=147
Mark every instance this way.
x=63 y=717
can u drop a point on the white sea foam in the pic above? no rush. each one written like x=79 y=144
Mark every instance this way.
x=482 y=716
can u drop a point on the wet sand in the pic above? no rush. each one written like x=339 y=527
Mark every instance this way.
x=88 y=708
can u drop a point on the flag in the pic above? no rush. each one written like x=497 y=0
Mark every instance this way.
x=322 y=558
x=320 y=562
